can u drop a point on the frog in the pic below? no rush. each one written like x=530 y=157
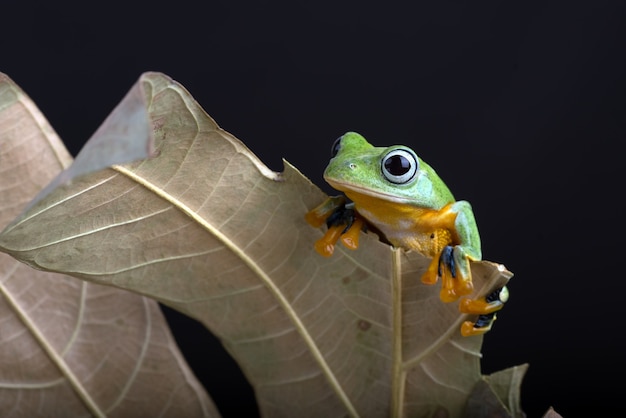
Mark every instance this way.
x=393 y=192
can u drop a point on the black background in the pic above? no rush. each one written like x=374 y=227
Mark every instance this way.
x=519 y=106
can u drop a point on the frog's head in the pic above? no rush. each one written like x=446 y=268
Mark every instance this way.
x=392 y=173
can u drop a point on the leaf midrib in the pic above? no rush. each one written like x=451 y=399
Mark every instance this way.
x=63 y=159
x=257 y=270
x=55 y=357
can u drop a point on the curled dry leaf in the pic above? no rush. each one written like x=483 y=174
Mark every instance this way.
x=69 y=347
x=206 y=228
x=498 y=395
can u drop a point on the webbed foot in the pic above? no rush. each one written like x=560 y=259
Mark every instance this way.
x=485 y=308
x=452 y=266
x=318 y=216
x=342 y=221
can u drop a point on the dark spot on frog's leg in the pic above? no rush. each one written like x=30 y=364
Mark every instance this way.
x=484 y=320
x=364 y=325
x=447 y=258
x=483 y=324
x=496 y=295
x=341 y=216
x=346 y=280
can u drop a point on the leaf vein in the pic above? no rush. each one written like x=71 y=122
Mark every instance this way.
x=60 y=202
x=139 y=360
x=263 y=276
x=151 y=262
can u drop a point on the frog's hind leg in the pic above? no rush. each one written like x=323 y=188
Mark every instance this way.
x=481 y=326
x=485 y=308
x=491 y=303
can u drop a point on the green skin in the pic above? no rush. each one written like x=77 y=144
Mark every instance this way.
x=393 y=207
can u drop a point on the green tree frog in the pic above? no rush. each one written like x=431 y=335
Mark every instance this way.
x=398 y=195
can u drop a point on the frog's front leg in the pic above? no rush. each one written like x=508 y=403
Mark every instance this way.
x=342 y=222
x=452 y=263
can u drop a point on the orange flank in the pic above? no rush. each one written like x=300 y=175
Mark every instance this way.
x=406 y=226
x=426 y=230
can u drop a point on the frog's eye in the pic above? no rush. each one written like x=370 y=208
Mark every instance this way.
x=400 y=166
x=335 y=148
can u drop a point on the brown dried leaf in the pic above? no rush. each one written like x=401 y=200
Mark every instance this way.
x=498 y=395
x=507 y=384
x=69 y=347
x=209 y=230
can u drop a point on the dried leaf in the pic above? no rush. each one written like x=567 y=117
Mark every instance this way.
x=69 y=347
x=126 y=135
x=498 y=395
x=507 y=384
x=209 y=230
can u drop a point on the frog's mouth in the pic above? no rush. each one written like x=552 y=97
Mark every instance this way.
x=351 y=190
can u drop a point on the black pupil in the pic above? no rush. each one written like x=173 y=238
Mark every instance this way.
x=397 y=165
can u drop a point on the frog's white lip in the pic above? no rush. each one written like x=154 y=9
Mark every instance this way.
x=343 y=186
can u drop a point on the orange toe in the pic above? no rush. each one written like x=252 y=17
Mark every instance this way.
x=325 y=246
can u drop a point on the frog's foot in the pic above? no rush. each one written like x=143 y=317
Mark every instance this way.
x=342 y=222
x=485 y=308
x=349 y=236
x=452 y=266
x=318 y=216
x=326 y=245
x=432 y=274
x=481 y=326
x=491 y=303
